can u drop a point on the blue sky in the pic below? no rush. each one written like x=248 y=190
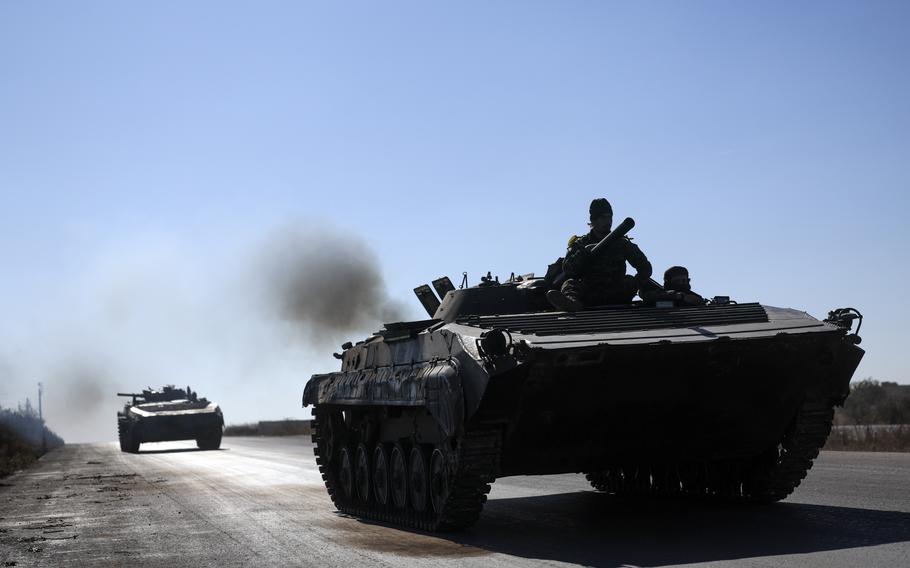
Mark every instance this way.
x=151 y=146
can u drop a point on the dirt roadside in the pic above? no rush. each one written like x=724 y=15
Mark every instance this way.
x=55 y=512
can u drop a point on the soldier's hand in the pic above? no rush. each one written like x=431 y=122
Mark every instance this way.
x=583 y=255
x=693 y=299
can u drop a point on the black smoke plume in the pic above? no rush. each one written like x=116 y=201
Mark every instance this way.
x=326 y=282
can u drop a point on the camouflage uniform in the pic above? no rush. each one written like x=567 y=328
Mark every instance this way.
x=602 y=279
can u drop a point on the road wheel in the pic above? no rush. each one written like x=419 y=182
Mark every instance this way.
x=417 y=479
x=439 y=480
x=211 y=441
x=362 y=472
x=346 y=472
x=381 y=475
x=330 y=429
x=398 y=476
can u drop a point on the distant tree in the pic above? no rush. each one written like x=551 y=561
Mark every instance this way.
x=871 y=402
x=23 y=427
x=898 y=411
x=862 y=404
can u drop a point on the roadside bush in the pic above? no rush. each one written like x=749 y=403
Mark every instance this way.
x=871 y=402
x=250 y=429
x=287 y=427
x=23 y=438
x=883 y=438
x=874 y=418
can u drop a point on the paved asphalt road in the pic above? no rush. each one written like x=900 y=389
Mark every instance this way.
x=261 y=502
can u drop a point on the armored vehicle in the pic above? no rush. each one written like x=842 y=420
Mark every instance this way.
x=166 y=415
x=718 y=401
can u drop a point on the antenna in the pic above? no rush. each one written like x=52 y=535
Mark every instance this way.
x=41 y=418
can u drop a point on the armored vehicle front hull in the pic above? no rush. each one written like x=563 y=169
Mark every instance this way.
x=170 y=421
x=574 y=409
x=728 y=401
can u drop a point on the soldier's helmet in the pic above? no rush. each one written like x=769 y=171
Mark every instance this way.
x=600 y=206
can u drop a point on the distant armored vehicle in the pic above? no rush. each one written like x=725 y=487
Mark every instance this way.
x=169 y=414
x=724 y=400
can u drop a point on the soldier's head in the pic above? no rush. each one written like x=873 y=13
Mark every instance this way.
x=677 y=278
x=601 y=215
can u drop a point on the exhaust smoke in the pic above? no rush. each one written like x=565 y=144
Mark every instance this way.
x=329 y=284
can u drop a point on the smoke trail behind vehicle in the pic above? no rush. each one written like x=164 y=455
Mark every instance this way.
x=329 y=283
x=244 y=324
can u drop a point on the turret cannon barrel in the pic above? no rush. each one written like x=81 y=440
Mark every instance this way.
x=133 y=395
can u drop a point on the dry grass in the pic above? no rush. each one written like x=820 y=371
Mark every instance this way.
x=22 y=435
x=248 y=429
x=269 y=428
x=14 y=453
x=877 y=438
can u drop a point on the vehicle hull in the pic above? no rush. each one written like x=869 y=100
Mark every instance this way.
x=725 y=400
x=569 y=410
x=170 y=421
x=174 y=428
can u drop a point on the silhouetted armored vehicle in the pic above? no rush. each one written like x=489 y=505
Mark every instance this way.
x=166 y=415
x=723 y=400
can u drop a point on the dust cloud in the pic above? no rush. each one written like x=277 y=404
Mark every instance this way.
x=83 y=401
x=245 y=325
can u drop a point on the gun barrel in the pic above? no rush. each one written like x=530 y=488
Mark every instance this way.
x=128 y=394
x=617 y=233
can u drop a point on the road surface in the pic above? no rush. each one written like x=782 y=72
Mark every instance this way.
x=261 y=502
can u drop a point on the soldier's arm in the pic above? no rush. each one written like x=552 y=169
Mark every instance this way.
x=639 y=262
x=577 y=258
x=693 y=299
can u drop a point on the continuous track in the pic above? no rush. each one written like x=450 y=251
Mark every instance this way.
x=125 y=434
x=473 y=464
x=769 y=478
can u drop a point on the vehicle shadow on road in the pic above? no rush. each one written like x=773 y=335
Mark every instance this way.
x=179 y=450
x=598 y=530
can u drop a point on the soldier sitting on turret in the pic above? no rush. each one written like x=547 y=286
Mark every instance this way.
x=601 y=279
x=678 y=285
